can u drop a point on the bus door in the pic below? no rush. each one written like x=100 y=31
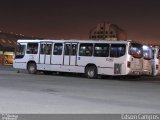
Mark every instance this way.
x=57 y=54
x=45 y=52
x=70 y=54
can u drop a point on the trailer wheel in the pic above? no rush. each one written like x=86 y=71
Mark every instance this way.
x=91 y=72
x=32 y=68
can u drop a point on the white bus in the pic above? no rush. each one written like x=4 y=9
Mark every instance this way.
x=92 y=57
x=147 y=60
x=156 y=61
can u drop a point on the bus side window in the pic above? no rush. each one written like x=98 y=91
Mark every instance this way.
x=101 y=50
x=32 y=48
x=58 y=49
x=67 y=50
x=48 y=49
x=42 y=48
x=117 y=50
x=70 y=49
x=86 y=49
x=74 y=49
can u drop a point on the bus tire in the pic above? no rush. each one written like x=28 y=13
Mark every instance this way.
x=91 y=72
x=32 y=68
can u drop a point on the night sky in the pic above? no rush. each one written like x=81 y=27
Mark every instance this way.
x=72 y=19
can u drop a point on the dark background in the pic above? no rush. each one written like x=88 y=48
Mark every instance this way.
x=72 y=19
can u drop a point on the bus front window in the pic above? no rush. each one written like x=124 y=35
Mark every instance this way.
x=147 y=52
x=20 y=51
x=136 y=50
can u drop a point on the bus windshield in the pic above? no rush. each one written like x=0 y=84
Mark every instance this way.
x=147 y=52
x=136 y=50
x=20 y=51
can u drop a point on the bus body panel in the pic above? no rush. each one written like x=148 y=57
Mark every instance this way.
x=147 y=60
x=156 y=62
x=147 y=67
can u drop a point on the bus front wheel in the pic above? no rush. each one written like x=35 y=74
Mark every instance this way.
x=32 y=68
x=91 y=72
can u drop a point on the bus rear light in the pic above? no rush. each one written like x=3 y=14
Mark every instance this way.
x=156 y=67
x=128 y=64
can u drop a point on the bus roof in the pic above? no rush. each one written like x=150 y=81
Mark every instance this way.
x=80 y=41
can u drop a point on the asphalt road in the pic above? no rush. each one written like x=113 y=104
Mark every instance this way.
x=26 y=93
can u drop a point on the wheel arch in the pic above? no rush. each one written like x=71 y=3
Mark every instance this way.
x=89 y=65
x=31 y=61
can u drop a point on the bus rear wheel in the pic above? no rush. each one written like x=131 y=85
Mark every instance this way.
x=32 y=68
x=91 y=72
